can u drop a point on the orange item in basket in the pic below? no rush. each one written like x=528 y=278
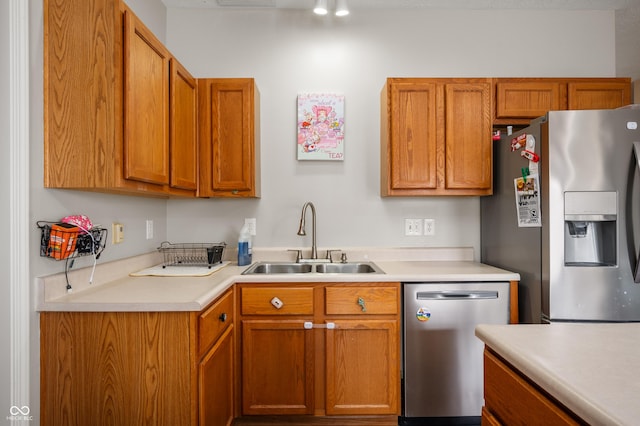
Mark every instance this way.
x=62 y=240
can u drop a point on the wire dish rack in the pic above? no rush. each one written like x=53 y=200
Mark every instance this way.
x=191 y=254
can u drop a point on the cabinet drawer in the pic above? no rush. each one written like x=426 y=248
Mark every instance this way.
x=353 y=300
x=528 y=99
x=214 y=321
x=513 y=400
x=292 y=300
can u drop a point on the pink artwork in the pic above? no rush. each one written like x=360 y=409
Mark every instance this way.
x=320 y=126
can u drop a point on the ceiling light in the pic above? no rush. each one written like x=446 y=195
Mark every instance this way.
x=321 y=7
x=341 y=8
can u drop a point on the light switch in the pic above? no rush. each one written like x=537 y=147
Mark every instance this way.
x=117 y=233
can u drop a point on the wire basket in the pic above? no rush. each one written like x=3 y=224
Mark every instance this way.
x=65 y=241
x=191 y=254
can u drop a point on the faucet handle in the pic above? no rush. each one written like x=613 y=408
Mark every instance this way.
x=329 y=254
x=298 y=254
x=343 y=258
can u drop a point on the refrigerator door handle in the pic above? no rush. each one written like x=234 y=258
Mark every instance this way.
x=630 y=230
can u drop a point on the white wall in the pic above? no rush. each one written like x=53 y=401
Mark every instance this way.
x=288 y=51
x=627 y=37
x=5 y=298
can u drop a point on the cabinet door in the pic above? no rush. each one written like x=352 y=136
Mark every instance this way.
x=146 y=104
x=362 y=367
x=216 y=383
x=468 y=145
x=184 y=139
x=228 y=166
x=277 y=367
x=528 y=99
x=412 y=133
x=598 y=95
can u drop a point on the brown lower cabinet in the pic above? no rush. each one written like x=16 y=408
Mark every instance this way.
x=328 y=349
x=513 y=399
x=134 y=368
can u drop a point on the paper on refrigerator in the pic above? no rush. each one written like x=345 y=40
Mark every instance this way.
x=527 y=196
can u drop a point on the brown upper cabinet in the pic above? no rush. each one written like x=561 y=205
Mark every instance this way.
x=518 y=100
x=184 y=129
x=229 y=137
x=112 y=119
x=146 y=104
x=436 y=136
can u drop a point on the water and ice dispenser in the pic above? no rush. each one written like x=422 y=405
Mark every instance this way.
x=590 y=228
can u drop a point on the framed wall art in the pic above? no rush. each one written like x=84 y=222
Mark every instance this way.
x=320 y=126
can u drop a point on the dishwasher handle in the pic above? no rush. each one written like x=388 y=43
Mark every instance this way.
x=456 y=295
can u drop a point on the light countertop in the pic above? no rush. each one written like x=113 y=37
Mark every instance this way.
x=115 y=290
x=593 y=369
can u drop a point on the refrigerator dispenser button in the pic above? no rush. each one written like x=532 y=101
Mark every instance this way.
x=632 y=125
x=423 y=314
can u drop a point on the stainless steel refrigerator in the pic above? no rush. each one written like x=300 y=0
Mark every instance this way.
x=565 y=214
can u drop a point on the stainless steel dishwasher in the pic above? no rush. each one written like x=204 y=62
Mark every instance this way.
x=442 y=357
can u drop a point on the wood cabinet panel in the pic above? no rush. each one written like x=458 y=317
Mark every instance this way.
x=214 y=321
x=468 y=152
x=106 y=104
x=110 y=368
x=511 y=399
x=184 y=128
x=360 y=379
x=277 y=367
x=528 y=99
x=322 y=362
x=81 y=80
x=351 y=300
x=216 y=383
x=133 y=368
x=488 y=419
x=519 y=100
x=229 y=138
x=146 y=104
x=413 y=153
x=594 y=95
x=436 y=137
x=295 y=300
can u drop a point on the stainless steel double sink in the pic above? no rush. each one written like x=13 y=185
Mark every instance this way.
x=306 y=268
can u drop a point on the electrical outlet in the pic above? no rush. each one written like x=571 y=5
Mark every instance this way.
x=117 y=233
x=149 y=229
x=413 y=227
x=251 y=223
x=429 y=227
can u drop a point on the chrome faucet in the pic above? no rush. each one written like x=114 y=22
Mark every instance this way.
x=301 y=231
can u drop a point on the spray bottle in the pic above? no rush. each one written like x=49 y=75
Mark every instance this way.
x=244 y=246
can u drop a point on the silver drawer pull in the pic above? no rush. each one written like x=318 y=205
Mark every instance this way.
x=277 y=303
